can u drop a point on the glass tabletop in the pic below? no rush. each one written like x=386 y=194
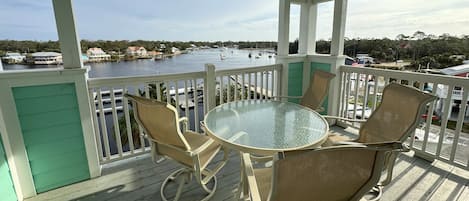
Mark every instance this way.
x=266 y=127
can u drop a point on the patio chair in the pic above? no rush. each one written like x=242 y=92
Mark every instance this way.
x=160 y=122
x=394 y=119
x=332 y=173
x=316 y=92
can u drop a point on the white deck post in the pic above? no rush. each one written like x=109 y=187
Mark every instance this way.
x=68 y=37
x=1 y=66
x=283 y=42
x=71 y=53
x=337 y=51
x=338 y=31
x=283 y=27
x=308 y=21
x=210 y=88
x=307 y=40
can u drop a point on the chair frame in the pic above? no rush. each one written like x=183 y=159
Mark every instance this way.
x=325 y=74
x=249 y=184
x=391 y=157
x=202 y=174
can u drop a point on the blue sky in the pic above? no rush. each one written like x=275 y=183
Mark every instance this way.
x=212 y=20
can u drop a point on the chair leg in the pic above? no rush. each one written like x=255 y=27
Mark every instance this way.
x=183 y=176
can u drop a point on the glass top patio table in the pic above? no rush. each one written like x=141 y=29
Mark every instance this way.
x=265 y=127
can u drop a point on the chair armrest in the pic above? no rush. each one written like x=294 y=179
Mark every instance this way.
x=185 y=121
x=344 y=119
x=297 y=97
x=203 y=147
x=249 y=178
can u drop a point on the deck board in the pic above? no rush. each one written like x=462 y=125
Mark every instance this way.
x=138 y=178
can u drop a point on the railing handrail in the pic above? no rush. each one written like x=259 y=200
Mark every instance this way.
x=248 y=69
x=421 y=77
x=118 y=81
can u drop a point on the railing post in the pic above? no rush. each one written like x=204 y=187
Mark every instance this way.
x=210 y=88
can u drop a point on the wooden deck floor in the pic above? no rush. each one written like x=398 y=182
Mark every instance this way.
x=139 y=179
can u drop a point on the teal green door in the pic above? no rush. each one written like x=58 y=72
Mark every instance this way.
x=7 y=190
x=51 y=126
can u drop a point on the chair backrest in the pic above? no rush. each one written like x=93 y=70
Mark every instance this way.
x=397 y=115
x=333 y=173
x=317 y=90
x=159 y=120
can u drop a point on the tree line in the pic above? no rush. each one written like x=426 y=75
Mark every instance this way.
x=418 y=48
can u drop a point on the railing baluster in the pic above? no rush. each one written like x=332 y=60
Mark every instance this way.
x=221 y=89
x=444 y=122
x=102 y=117
x=365 y=96
x=140 y=129
x=128 y=125
x=195 y=98
x=256 y=88
x=236 y=88
x=262 y=85
x=341 y=93
x=272 y=80
x=168 y=92
x=249 y=86
x=95 y=124
x=228 y=89
x=347 y=93
x=375 y=92
x=158 y=91
x=429 y=119
x=243 y=86
x=355 y=98
x=117 y=133
x=460 y=122
x=186 y=98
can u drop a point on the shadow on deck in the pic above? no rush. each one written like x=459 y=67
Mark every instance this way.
x=139 y=178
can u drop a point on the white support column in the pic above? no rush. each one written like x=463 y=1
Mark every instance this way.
x=307 y=41
x=283 y=28
x=210 y=87
x=1 y=66
x=71 y=53
x=308 y=21
x=283 y=42
x=338 y=31
x=68 y=37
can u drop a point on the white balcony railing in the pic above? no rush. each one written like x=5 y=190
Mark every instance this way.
x=117 y=132
x=440 y=135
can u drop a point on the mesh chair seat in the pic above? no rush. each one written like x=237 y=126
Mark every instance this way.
x=394 y=119
x=195 y=140
x=332 y=173
x=160 y=122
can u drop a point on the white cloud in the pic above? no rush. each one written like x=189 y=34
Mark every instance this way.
x=229 y=20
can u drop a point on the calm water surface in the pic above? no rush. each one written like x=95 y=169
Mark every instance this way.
x=191 y=62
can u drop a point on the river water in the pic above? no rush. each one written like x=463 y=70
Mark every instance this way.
x=191 y=62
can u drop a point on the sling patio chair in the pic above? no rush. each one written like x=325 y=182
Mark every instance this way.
x=345 y=172
x=160 y=122
x=396 y=117
x=316 y=92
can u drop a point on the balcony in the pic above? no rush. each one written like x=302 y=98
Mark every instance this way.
x=66 y=136
x=138 y=178
x=435 y=165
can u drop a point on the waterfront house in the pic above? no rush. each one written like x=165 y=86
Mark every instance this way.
x=154 y=54
x=45 y=58
x=96 y=54
x=13 y=58
x=56 y=143
x=136 y=51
